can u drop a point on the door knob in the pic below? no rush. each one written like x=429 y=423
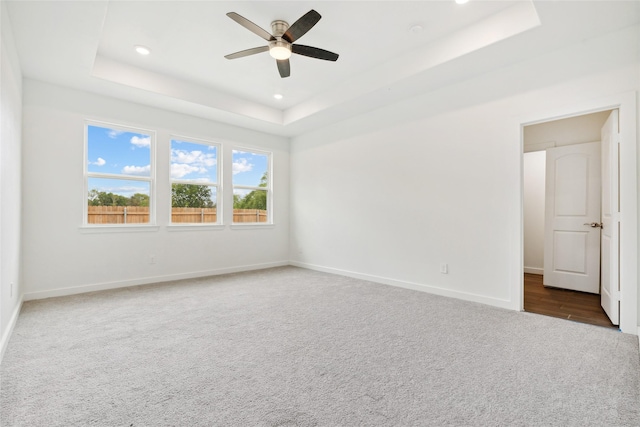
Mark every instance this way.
x=594 y=224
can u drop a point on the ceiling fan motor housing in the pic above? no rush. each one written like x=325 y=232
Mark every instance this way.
x=278 y=28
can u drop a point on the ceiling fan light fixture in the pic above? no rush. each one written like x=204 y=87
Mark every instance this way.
x=280 y=49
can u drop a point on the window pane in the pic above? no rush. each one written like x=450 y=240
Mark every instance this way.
x=118 y=152
x=108 y=198
x=192 y=203
x=191 y=161
x=250 y=205
x=250 y=169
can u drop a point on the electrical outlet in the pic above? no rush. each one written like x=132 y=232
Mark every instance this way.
x=444 y=268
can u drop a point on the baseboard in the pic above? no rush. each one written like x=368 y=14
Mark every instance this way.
x=496 y=302
x=4 y=342
x=29 y=296
x=534 y=270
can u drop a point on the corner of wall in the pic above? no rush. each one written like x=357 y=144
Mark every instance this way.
x=10 y=181
x=6 y=334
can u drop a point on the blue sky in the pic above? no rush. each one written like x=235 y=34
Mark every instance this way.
x=248 y=168
x=117 y=152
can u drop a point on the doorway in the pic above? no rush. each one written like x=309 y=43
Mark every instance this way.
x=560 y=291
x=626 y=104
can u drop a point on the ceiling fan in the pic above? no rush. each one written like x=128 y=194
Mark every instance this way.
x=280 y=44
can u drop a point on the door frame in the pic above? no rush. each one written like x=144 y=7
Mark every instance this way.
x=625 y=103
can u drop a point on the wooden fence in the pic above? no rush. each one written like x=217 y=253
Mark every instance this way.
x=140 y=215
x=249 y=215
x=193 y=215
x=118 y=215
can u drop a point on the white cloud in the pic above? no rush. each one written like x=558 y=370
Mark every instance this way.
x=196 y=158
x=114 y=133
x=99 y=162
x=136 y=170
x=141 y=142
x=178 y=170
x=242 y=165
x=184 y=162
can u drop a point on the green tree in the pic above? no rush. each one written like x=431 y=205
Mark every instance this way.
x=191 y=196
x=102 y=198
x=256 y=199
x=139 y=199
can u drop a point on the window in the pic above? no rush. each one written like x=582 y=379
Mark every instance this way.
x=194 y=182
x=251 y=187
x=119 y=175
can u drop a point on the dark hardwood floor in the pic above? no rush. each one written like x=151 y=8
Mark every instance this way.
x=577 y=306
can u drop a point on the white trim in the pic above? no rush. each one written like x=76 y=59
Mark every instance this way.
x=466 y=296
x=251 y=225
x=626 y=104
x=194 y=226
x=108 y=228
x=534 y=270
x=29 y=296
x=4 y=342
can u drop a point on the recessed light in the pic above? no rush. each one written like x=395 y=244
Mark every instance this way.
x=278 y=96
x=415 y=29
x=462 y=1
x=142 y=50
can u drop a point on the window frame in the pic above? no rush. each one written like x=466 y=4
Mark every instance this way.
x=268 y=188
x=151 y=179
x=218 y=185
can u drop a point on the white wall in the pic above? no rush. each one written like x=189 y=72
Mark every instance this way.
x=393 y=194
x=534 y=203
x=61 y=258
x=10 y=177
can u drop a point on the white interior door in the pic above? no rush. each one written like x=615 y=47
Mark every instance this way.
x=610 y=293
x=572 y=218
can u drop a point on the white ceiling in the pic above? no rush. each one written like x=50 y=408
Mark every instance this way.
x=88 y=45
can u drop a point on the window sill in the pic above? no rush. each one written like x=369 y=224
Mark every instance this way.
x=92 y=229
x=251 y=226
x=194 y=227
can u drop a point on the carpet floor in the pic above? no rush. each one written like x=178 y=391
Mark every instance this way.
x=293 y=347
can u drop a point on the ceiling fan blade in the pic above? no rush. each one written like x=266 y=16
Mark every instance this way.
x=284 y=67
x=250 y=26
x=301 y=26
x=314 y=52
x=247 y=52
